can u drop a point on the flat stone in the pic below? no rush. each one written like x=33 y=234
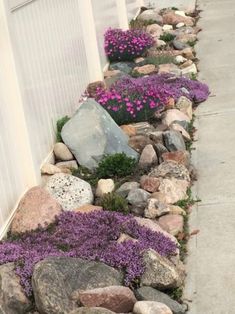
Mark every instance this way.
x=151 y=294
x=69 y=191
x=151 y=15
x=156 y=136
x=173 y=115
x=150 y=307
x=88 y=143
x=104 y=186
x=169 y=68
x=179 y=45
x=155 y=209
x=185 y=38
x=12 y=297
x=62 y=152
x=176 y=210
x=85 y=209
x=174 y=141
x=188 y=53
x=192 y=69
x=167 y=27
x=139 y=142
x=72 y=164
x=181 y=13
x=181 y=157
x=174 y=190
x=115 y=298
x=125 y=67
x=186 y=106
x=91 y=310
x=152 y=225
x=179 y=128
x=37 y=207
x=50 y=169
x=111 y=73
x=146 y=69
x=149 y=184
x=172 y=224
x=137 y=196
x=56 y=279
x=125 y=237
x=128 y=129
x=180 y=59
x=148 y=156
x=126 y=187
x=179 y=25
x=161 y=149
x=174 y=19
x=154 y=30
x=143 y=128
x=171 y=169
x=160 y=272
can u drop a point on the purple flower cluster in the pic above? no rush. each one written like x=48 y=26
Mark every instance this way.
x=127 y=45
x=77 y=235
x=132 y=100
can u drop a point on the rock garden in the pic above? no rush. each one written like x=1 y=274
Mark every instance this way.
x=107 y=231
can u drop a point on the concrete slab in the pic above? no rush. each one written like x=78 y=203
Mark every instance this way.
x=210 y=283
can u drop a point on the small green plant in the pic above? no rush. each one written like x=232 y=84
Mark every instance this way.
x=115 y=166
x=59 y=126
x=85 y=174
x=191 y=43
x=114 y=202
x=193 y=76
x=174 y=9
x=176 y=294
x=167 y=37
x=136 y=74
x=161 y=59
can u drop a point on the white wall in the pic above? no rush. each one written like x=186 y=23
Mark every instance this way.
x=49 y=51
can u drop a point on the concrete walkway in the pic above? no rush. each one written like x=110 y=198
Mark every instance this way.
x=211 y=263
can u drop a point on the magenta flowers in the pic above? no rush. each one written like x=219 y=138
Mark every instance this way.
x=127 y=45
x=132 y=100
x=77 y=235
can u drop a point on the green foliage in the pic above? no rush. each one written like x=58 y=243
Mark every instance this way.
x=174 y=9
x=191 y=43
x=193 y=76
x=167 y=37
x=114 y=202
x=117 y=166
x=161 y=59
x=59 y=126
x=85 y=174
x=140 y=24
x=176 y=294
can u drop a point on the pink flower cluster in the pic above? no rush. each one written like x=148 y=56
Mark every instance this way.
x=127 y=45
x=129 y=100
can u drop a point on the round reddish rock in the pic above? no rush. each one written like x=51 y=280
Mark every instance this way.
x=181 y=157
x=37 y=207
x=115 y=298
x=150 y=184
x=172 y=223
x=173 y=19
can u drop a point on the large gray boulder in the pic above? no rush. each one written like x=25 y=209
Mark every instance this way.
x=151 y=294
x=56 y=279
x=12 y=297
x=91 y=133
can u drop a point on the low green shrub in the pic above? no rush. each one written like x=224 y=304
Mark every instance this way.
x=118 y=165
x=59 y=126
x=114 y=202
x=161 y=59
x=167 y=37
